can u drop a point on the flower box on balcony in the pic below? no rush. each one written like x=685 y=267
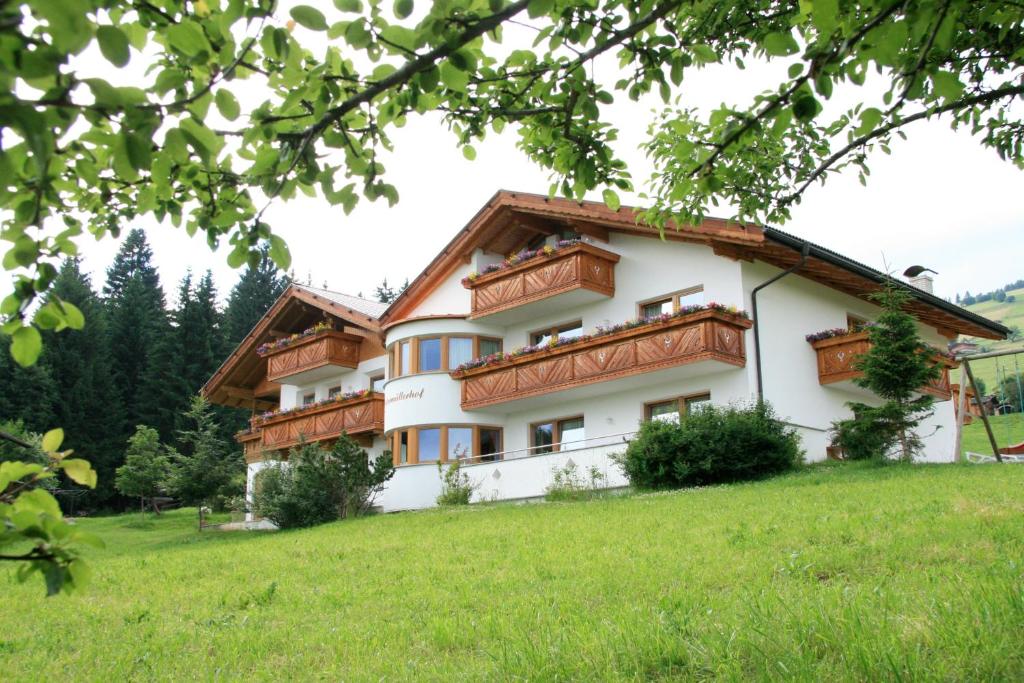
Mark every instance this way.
x=362 y=414
x=704 y=335
x=321 y=351
x=580 y=267
x=837 y=356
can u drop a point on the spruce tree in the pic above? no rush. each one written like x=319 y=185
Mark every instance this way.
x=255 y=292
x=89 y=406
x=206 y=471
x=27 y=394
x=895 y=368
x=137 y=319
x=146 y=467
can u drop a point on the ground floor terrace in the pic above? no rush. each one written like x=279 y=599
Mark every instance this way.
x=511 y=451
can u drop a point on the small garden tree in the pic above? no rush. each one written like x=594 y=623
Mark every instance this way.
x=456 y=486
x=895 y=368
x=319 y=485
x=146 y=468
x=207 y=471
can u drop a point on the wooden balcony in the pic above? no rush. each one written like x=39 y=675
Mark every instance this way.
x=313 y=358
x=837 y=356
x=252 y=444
x=569 y=277
x=688 y=340
x=362 y=416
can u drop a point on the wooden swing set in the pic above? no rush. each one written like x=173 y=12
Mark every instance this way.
x=1012 y=452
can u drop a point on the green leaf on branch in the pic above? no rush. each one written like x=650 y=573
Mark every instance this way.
x=227 y=104
x=869 y=120
x=26 y=344
x=403 y=8
x=280 y=253
x=52 y=440
x=310 y=17
x=611 y=199
x=79 y=471
x=806 y=108
x=780 y=44
x=349 y=5
x=114 y=45
x=188 y=38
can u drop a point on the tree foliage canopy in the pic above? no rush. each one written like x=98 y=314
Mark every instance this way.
x=89 y=150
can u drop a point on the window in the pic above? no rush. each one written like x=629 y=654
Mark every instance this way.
x=854 y=323
x=670 y=303
x=430 y=444
x=430 y=354
x=308 y=398
x=460 y=350
x=403 y=447
x=670 y=410
x=333 y=391
x=544 y=437
x=547 y=437
x=377 y=383
x=568 y=235
x=489 y=347
x=656 y=308
x=490 y=444
x=405 y=358
x=571 y=432
x=445 y=443
x=460 y=443
x=566 y=331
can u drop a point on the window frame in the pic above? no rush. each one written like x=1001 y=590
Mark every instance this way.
x=413 y=443
x=333 y=391
x=553 y=331
x=681 y=402
x=853 y=321
x=442 y=352
x=377 y=377
x=414 y=351
x=303 y=395
x=675 y=297
x=556 y=432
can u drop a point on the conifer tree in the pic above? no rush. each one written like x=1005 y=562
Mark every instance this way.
x=895 y=368
x=146 y=467
x=136 y=307
x=206 y=471
x=89 y=407
x=27 y=394
x=255 y=292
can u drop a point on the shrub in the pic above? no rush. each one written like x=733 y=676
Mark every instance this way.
x=146 y=467
x=867 y=435
x=568 y=483
x=319 y=485
x=710 y=446
x=456 y=487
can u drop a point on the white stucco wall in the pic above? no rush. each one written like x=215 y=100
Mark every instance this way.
x=349 y=379
x=788 y=311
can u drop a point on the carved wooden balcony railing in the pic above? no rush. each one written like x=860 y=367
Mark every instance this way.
x=706 y=335
x=837 y=355
x=363 y=415
x=252 y=444
x=579 y=267
x=328 y=348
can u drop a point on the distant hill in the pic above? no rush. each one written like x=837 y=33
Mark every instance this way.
x=1010 y=313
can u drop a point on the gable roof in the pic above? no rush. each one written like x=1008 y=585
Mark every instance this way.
x=510 y=219
x=240 y=379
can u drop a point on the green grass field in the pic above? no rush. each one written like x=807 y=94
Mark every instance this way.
x=851 y=572
x=1008 y=430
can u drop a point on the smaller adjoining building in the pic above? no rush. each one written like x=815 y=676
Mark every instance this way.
x=547 y=330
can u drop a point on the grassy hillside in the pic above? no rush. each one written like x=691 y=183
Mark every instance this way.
x=1008 y=430
x=1009 y=314
x=852 y=572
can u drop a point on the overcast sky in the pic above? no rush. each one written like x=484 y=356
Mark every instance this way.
x=941 y=200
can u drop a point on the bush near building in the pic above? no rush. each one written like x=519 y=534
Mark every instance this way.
x=713 y=445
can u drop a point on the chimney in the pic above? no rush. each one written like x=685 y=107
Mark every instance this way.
x=923 y=282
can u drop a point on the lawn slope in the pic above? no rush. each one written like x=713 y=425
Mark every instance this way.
x=837 y=573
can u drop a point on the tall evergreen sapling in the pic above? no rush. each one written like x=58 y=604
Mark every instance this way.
x=206 y=471
x=895 y=368
x=146 y=467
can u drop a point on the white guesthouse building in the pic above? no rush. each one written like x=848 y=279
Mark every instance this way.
x=618 y=326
